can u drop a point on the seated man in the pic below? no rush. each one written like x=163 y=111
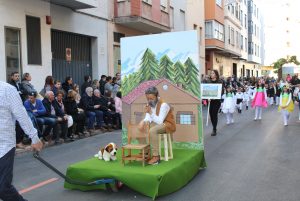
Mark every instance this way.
x=161 y=119
x=91 y=110
x=37 y=112
x=54 y=111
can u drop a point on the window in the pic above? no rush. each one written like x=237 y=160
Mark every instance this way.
x=229 y=35
x=232 y=9
x=246 y=44
x=219 y=3
x=251 y=27
x=172 y=17
x=250 y=48
x=185 y=118
x=246 y=20
x=12 y=51
x=255 y=48
x=164 y=5
x=237 y=11
x=242 y=42
x=214 y=29
x=34 y=49
x=237 y=39
x=148 y=1
x=254 y=29
x=118 y=36
x=182 y=20
x=241 y=18
x=232 y=36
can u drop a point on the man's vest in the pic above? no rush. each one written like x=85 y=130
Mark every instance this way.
x=169 y=120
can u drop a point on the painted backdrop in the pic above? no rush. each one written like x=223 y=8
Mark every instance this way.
x=169 y=61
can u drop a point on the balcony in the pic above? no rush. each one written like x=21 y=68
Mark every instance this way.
x=142 y=16
x=75 y=4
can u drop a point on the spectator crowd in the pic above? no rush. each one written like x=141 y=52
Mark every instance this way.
x=63 y=112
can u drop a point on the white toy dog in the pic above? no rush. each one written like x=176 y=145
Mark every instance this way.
x=108 y=153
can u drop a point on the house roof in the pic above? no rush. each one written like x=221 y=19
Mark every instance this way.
x=140 y=90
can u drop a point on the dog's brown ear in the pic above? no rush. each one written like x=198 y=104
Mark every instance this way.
x=102 y=150
x=109 y=148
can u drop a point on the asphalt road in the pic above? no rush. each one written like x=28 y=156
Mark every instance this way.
x=247 y=161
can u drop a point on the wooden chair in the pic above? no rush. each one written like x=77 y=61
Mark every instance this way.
x=168 y=149
x=134 y=133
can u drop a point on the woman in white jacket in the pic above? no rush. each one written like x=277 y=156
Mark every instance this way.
x=229 y=104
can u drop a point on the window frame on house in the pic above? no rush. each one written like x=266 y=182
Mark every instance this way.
x=186 y=113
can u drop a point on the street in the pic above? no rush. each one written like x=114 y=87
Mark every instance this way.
x=247 y=161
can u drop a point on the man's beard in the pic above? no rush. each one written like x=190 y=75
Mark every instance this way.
x=153 y=103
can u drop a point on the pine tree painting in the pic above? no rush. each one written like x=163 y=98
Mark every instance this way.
x=149 y=68
x=166 y=68
x=179 y=71
x=192 y=82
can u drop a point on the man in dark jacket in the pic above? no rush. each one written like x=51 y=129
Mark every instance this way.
x=53 y=111
x=102 y=83
x=87 y=83
x=91 y=110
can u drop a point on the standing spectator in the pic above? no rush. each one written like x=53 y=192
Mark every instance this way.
x=116 y=87
x=15 y=81
x=77 y=114
x=68 y=84
x=87 y=83
x=11 y=110
x=108 y=86
x=118 y=106
x=91 y=110
x=215 y=104
x=37 y=113
x=118 y=81
x=57 y=87
x=95 y=84
x=53 y=111
x=27 y=87
x=102 y=83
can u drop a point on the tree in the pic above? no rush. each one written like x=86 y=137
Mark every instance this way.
x=192 y=80
x=179 y=70
x=149 y=67
x=166 y=68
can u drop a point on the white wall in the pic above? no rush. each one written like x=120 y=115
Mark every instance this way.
x=179 y=22
x=13 y=14
x=65 y=19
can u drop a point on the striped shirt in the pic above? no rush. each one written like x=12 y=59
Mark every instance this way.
x=12 y=109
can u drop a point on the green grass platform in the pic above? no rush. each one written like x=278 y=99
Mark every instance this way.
x=151 y=180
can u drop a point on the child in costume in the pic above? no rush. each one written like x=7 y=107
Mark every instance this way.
x=260 y=99
x=286 y=105
x=271 y=91
x=277 y=93
x=239 y=100
x=246 y=97
x=229 y=104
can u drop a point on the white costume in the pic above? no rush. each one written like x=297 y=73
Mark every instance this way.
x=229 y=106
x=239 y=99
x=247 y=98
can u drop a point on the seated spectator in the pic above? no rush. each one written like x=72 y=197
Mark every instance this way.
x=14 y=80
x=76 y=89
x=102 y=83
x=54 y=111
x=108 y=86
x=77 y=113
x=107 y=113
x=68 y=84
x=27 y=88
x=48 y=86
x=37 y=112
x=87 y=83
x=91 y=110
x=109 y=103
x=118 y=106
x=60 y=103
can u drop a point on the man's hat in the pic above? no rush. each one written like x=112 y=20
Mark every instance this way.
x=32 y=94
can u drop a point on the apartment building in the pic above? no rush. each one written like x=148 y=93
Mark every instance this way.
x=241 y=55
x=52 y=37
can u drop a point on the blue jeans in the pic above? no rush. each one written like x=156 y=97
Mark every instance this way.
x=91 y=115
x=8 y=191
x=48 y=121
